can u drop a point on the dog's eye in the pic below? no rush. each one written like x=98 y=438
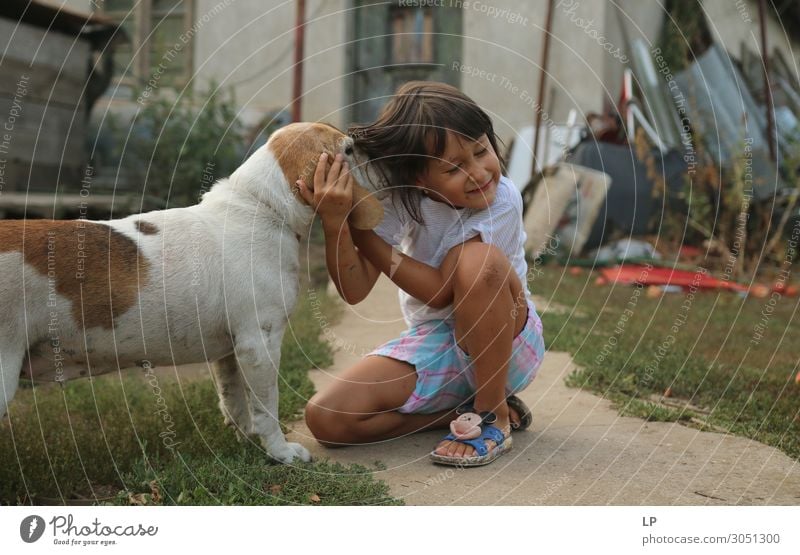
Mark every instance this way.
x=348 y=150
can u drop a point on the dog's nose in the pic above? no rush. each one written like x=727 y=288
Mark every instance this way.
x=347 y=143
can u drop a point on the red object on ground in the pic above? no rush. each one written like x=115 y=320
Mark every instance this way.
x=688 y=251
x=784 y=289
x=634 y=273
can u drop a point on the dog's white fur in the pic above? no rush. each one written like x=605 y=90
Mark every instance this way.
x=221 y=280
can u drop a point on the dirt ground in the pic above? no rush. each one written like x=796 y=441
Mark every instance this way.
x=579 y=451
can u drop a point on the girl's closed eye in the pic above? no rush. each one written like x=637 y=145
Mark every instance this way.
x=457 y=167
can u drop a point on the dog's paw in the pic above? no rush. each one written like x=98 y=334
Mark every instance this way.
x=301 y=452
x=289 y=452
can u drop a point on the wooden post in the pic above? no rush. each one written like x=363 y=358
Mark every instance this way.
x=762 y=16
x=297 y=85
x=548 y=27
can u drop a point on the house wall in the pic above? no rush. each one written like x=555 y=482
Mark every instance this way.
x=508 y=49
x=735 y=23
x=251 y=49
x=83 y=6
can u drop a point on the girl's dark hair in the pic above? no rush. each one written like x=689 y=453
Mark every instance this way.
x=412 y=128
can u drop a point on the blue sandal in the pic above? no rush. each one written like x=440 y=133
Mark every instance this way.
x=514 y=402
x=488 y=432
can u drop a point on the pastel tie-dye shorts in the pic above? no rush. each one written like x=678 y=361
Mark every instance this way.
x=445 y=373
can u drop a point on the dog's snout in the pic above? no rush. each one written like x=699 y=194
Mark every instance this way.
x=347 y=145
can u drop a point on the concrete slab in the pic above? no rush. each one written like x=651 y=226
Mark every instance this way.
x=579 y=451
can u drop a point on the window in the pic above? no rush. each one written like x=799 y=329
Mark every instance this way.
x=411 y=35
x=155 y=52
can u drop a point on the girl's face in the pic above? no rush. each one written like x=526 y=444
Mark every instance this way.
x=466 y=175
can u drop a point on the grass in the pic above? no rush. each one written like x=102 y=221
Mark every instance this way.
x=104 y=440
x=711 y=359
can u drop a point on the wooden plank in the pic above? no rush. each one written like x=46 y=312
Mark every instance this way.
x=73 y=206
x=36 y=46
x=60 y=133
x=44 y=84
x=17 y=174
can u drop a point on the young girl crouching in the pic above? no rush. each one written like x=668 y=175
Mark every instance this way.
x=452 y=241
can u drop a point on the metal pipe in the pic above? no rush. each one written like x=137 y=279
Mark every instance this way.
x=548 y=27
x=299 y=40
x=762 y=16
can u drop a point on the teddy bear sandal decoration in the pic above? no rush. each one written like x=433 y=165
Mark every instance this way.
x=476 y=430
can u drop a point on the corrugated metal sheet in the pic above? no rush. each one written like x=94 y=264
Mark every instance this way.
x=722 y=111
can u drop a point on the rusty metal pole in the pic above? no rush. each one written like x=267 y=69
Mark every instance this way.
x=762 y=16
x=299 y=40
x=548 y=27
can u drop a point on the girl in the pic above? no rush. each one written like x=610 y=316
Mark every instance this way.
x=474 y=337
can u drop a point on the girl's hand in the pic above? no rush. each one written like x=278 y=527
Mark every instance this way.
x=332 y=195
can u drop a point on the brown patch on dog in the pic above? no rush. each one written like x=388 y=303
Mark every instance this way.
x=299 y=145
x=146 y=228
x=93 y=265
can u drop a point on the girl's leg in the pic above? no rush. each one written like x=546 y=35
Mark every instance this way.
x=361 y=405
x=490 y=311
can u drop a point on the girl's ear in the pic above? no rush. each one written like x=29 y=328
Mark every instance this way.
x=420 y=183
x=422 y=178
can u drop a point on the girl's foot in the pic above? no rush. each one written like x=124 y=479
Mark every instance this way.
x=521 y=417
x=450 y=448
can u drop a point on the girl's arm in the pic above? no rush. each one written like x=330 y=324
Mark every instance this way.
x=433 y=286
x=354 y=271
x=332 y=198
x=350 y=271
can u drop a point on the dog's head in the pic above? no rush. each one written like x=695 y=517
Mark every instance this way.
x=297 y=147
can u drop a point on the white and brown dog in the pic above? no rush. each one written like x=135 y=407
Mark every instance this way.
x=211 y=282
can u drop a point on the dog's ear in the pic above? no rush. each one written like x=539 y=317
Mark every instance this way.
x=367 y=211
x=297 y=148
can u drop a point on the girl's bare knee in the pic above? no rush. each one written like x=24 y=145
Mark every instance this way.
x=325 y=422
x=482 y=266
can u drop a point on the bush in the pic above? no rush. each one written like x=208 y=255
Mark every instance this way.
x=183 y=146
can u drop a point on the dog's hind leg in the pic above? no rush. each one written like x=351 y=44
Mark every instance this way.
x=10 y=366
x=259 y=356
x=232 y=394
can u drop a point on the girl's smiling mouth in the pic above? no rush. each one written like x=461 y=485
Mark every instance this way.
x=482 y=189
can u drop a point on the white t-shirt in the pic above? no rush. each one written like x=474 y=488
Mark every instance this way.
x=500 y=224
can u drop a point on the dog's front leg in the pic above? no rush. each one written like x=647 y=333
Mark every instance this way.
x=233 y=401
x=259 y=359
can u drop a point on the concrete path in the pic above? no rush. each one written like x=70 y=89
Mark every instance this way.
x=579 y=451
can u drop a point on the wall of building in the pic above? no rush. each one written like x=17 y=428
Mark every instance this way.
x=249 y=46
x=251 y=49
x=84 y=6
x=253 y=52
x=502 y=56
x=735 y=24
